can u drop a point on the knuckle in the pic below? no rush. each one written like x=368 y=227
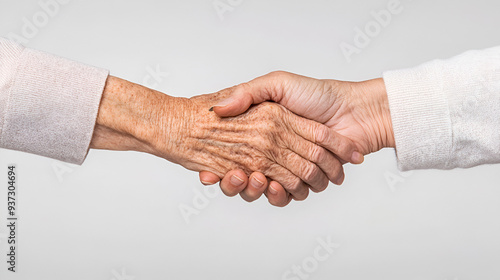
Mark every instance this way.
x=295 y=185
x=279 y=80
x=244 y=87
x=269 y=116
x=318 y=154
x=322 y=135
x=274 y=110
x=260 y=164
x=278 y=75
x=311 y=171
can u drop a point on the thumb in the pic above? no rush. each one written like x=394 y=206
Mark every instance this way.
x=236 y=104
x=244 y=95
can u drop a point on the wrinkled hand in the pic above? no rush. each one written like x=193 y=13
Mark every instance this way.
x=358 y=111
x=267 y=138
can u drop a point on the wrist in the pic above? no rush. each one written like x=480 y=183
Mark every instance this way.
x=380 y=104
x=376 y=112
x=132 y=117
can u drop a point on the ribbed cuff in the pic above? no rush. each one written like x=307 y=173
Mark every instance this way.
x=420 y=116
x=51 y=107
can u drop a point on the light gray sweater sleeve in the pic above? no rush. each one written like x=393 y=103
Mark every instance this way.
x=446 y=113
x=48 y=104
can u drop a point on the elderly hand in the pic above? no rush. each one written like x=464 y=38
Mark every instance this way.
x=267 y=138
x=358 y=111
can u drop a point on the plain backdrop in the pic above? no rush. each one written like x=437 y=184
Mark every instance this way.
x=118 y=216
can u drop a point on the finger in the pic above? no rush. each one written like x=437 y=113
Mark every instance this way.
x=326 y=137
x=307 y=171
x=257 y=184
x=208 y=178
x=297 y=189
x=327 y=162
x=239 y=101
x=267 y=87
x=277 y=195
x=234 y=182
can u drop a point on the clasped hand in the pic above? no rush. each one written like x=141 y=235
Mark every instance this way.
x=341 y=122
x=283 y=149
x=267 y=138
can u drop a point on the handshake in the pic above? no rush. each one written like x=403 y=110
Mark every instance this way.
x=281 y=134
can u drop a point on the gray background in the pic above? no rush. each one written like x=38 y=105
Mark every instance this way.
x=117 y=216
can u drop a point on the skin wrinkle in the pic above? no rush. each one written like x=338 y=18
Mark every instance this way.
x=184 y=131
x=265 y=138
x=240 y=149
x=237 y=162
x=356 y=112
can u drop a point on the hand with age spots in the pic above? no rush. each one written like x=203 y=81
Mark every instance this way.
x=358 y=111
x=267 y=139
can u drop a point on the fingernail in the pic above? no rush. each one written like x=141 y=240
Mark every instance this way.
x=207 y=183
x=256 y=183
x=224 y=102
x=357 y=158
x=236 y=181
x=272 y=190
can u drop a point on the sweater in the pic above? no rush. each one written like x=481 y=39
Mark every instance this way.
x=48 y=104
x=445 y=113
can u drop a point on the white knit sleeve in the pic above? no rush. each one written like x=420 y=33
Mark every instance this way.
x=446 y=113
x=48 y=104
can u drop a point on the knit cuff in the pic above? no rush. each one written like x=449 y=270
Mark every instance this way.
x=446 y=113
x=420 y=117
x=52 y=105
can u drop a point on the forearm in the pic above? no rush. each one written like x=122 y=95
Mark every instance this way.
x=131 y=117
